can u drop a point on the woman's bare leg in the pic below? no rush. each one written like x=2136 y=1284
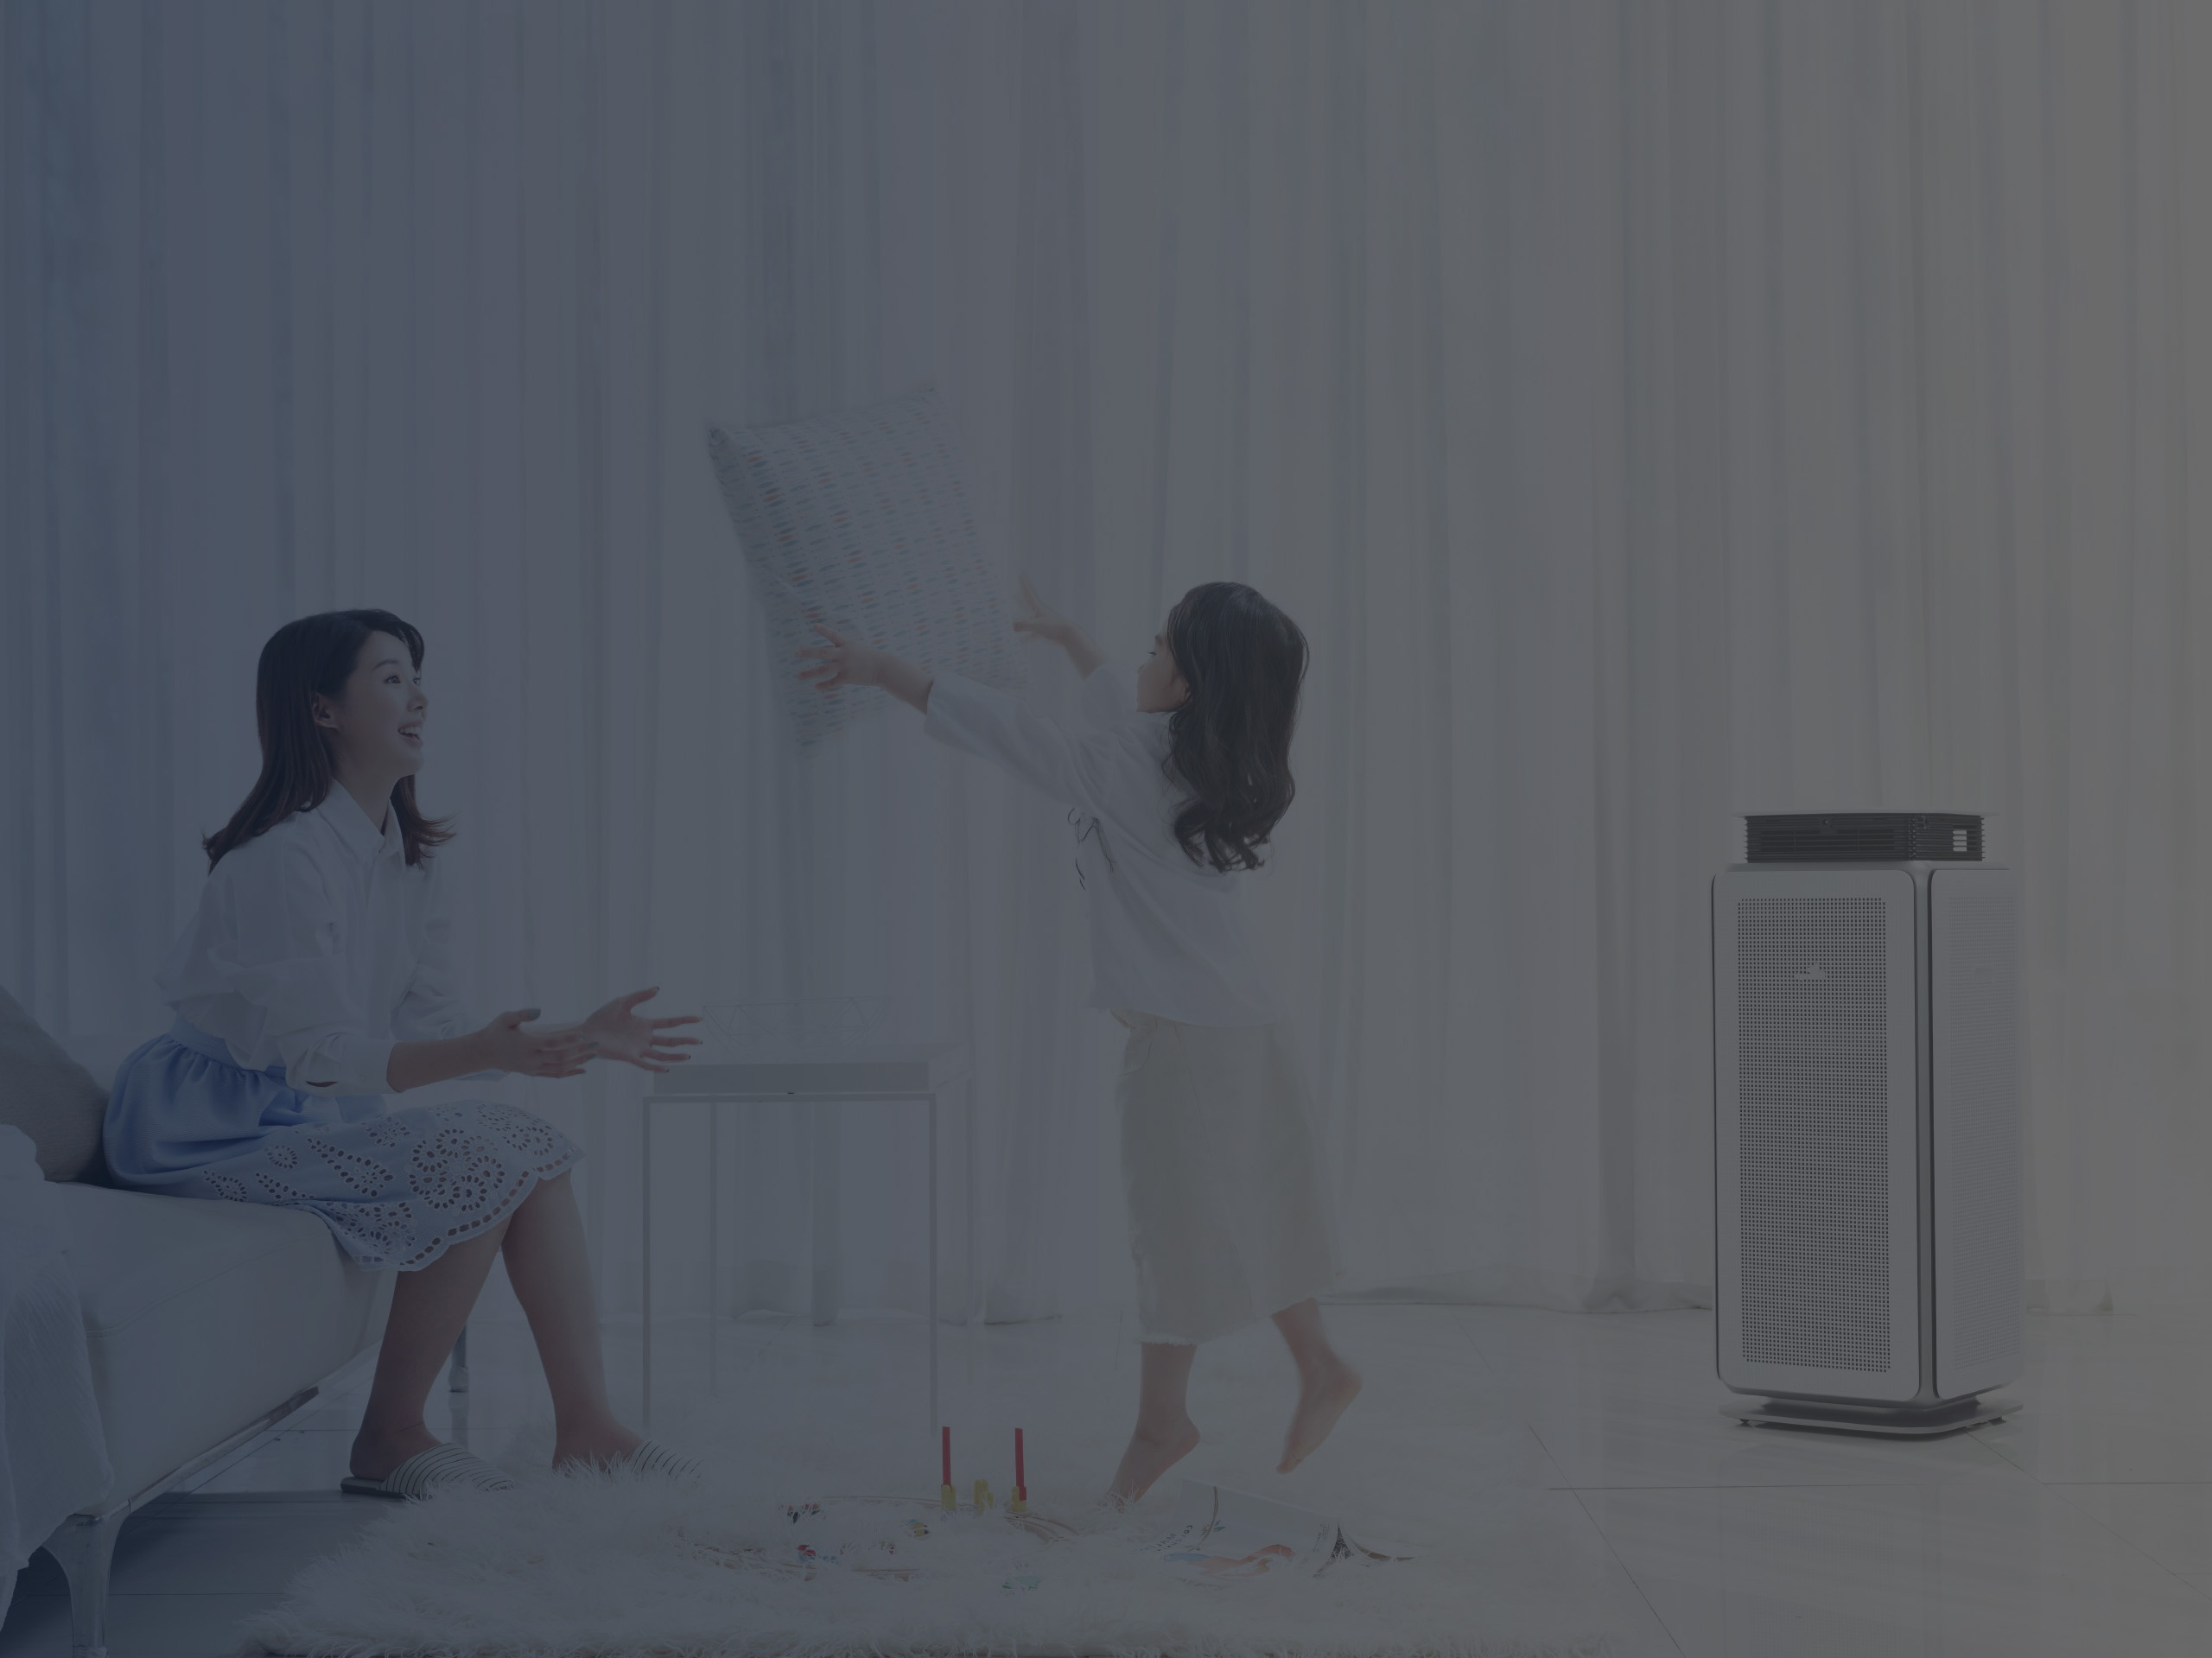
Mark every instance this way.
x=1165 y=1432
x=551 y=1273
x=1326 y=1383
x=429 y=1308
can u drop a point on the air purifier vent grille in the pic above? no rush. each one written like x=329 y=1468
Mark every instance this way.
x=1813 y=1070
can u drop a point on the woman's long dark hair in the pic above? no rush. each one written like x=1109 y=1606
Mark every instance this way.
x=1244 y=661
x=315 y=656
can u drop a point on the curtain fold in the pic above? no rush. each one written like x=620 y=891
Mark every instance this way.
x=1651 y=413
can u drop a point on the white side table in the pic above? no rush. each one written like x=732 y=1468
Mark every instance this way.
x=822 y=1079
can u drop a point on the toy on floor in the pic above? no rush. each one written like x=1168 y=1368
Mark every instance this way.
x=825 y=1532
x=1019 y=1502
x=948 y=1498
x=1223 y=1536
x=1219 y=1536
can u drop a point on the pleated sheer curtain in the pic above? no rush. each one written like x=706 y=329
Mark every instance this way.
x=1651 y=413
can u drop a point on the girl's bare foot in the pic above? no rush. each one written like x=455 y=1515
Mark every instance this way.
x=1148 y=1456
x=596 y=1447
x=376 y=1454
x=1323 y=1393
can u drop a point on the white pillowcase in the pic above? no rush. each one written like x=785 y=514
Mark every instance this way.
x=859 y=520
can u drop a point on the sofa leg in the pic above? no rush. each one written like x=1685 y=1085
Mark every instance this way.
x=85 y=1546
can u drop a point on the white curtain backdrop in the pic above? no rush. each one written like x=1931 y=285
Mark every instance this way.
x=1651 y=412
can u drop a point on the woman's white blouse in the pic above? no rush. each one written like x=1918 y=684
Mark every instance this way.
x=1168 y=937
x=316 y=947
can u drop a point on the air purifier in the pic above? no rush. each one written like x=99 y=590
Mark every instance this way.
x=1868 y=1266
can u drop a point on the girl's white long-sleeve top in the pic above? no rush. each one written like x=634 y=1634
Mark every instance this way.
x=1168 y=937
x=316 y=946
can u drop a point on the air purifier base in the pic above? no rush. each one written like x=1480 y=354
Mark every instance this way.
x=1897 y=1421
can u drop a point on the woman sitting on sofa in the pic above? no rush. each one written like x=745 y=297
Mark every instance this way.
x=312 y=983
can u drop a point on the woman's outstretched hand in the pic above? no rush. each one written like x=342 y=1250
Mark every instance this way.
x=847 y=661
x=507 y=1046
x=618 y=1032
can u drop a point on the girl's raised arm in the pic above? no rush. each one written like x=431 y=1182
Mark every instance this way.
x=846 y=661
x=1099 y=770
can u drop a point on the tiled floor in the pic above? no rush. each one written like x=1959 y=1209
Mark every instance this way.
x=1583 y=1456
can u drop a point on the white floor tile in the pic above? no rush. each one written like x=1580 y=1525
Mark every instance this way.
x=2111 y=1398
x=2170 y=1523
x=2114 y=1445
x=138 y=1626
x=2002 y=1568
x=1632 y=1400
x=1610 y=1436
x=248 y=1545
x=1546 y=1544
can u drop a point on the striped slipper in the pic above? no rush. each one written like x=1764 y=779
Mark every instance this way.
x=440 y=1467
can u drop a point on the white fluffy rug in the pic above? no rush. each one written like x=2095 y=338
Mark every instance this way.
x=594 y=1567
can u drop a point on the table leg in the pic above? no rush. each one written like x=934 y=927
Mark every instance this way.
x=971 y=1297
x=645 y=1221
x=934 y=1420
x=829 y=1289
x=713 y=1245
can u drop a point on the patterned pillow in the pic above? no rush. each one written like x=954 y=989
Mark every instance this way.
x=859 y=520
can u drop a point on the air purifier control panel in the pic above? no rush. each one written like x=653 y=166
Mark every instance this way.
x=1862 y=837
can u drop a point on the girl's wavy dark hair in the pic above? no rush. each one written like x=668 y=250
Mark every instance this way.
x=315 y=656
x=1245 y=662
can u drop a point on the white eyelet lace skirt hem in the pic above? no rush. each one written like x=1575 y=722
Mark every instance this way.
x=413 y=1182
x=396 y=1187
x=1228 y=1222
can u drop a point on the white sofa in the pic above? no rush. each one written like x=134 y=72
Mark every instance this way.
x=206 y=1323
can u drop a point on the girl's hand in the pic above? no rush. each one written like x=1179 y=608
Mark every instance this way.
x=855 y=662
x=616 y=1031
x=844 y=661
x=1040 y=622
x=507 y=1046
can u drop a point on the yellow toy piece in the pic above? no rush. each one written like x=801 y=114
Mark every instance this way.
x=982 y=1494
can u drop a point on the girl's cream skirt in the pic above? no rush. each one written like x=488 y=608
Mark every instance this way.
x=1227 y=1220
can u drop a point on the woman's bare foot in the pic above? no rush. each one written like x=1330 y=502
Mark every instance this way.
x=1322 y=1396
x=377 y=1453
x=597 y=1447
x=1148 y=1456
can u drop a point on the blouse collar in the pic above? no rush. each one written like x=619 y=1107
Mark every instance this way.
x=345 y=815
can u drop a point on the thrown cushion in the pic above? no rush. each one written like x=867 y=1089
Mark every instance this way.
x=52 y=1098
x=859 y=520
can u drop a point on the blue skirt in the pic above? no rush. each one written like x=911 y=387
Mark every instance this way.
x=396 y=1187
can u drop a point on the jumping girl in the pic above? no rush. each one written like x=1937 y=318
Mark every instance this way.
x=312 y=982
x=1180 y=778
